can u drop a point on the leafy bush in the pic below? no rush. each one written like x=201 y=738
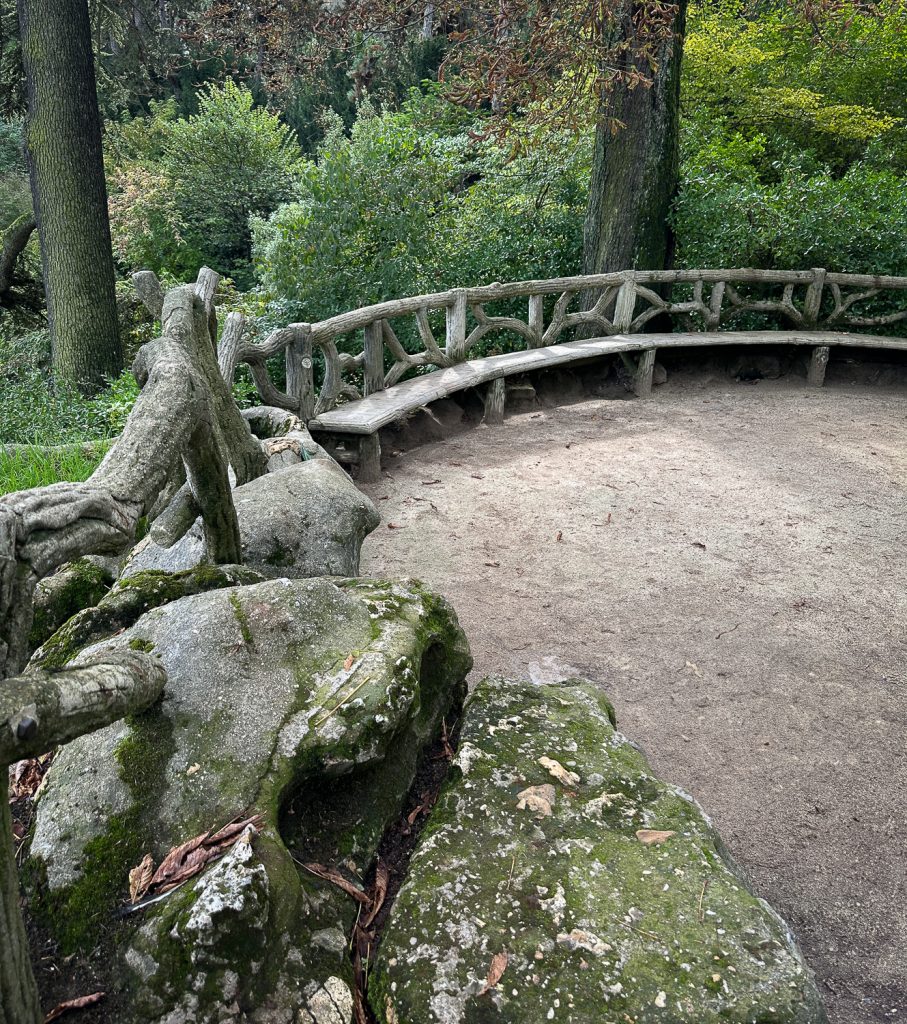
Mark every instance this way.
x=418 y=201
x=183 y=189
x=725 y=215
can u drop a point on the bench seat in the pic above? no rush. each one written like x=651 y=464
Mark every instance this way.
x=366 y=416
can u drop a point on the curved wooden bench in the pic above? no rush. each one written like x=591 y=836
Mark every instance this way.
x=362 y=387
x=364 y=417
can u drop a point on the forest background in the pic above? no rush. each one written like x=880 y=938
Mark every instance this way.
x=319 y=186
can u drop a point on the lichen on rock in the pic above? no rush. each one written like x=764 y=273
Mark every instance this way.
x=615 y=901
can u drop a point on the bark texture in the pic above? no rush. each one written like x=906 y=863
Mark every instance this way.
x=635 y=167
x=63 y=148
x=19 y=1002
x=14 y=242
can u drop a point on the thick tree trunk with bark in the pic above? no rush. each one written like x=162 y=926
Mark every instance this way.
x=63 y=148
x=635 y=167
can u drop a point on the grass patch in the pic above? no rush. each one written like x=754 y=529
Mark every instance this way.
x=25 y=466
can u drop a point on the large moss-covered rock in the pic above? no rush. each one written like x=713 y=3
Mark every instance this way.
x=306 y=520
x=608 y=890
x=274 y=688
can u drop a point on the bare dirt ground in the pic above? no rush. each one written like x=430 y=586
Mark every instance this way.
x=730 y=562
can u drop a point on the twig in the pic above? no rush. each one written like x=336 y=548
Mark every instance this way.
x=347 y=698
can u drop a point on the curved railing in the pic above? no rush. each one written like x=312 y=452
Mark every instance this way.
x=603 y=304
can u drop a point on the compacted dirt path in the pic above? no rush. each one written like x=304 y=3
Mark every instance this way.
x=728 y=561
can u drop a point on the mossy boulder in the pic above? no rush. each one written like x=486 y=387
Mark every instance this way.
x=308 y=519
x=559 y=880
x=274 y=689
x=71 y=588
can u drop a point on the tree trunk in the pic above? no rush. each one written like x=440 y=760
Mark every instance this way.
x=635 y=167
x=63 y=148
x=19 y=1002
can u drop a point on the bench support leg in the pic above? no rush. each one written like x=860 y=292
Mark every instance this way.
x=495 y=397
x=370 y=459
x=818 y=360
x=642 y=383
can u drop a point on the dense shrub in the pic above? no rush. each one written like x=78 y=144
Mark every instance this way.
x=418 y=201
x=183 y=189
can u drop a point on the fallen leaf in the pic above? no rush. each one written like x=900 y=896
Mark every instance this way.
x=558 y=771
x=394 y=526
x=188 y=859
x=27 y=776
x=493 y=565
x=335 y=878
x=348 y=664
x=495 y=971
x=559 y=536
x=74 y=1004
x=192 y=769
x=698 y=544
x=652 y=836
x=694 y=668
x=382 y=877
x=428 y=483
x=538 y=799
x=477 y=476
x=140 y=878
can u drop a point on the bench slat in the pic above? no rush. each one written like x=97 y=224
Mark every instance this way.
x=367 y=415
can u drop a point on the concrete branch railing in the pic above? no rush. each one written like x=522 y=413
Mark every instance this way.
x=600 y=305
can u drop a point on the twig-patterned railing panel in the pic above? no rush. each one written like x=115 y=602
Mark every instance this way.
x=600 y=305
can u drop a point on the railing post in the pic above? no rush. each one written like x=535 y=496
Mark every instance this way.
x=536 y=319
x=373 y=363
x=300 y=374
x=625 y=306
x=455 y=347
x=812 y=304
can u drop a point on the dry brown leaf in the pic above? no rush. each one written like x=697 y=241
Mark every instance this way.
x=493 y=565
x=495 y=971
x=348 y=664
x=140 y=878
x=26 y=777
x=335 y=878
x=394 y=526
x=382 y=878
x=74 y=1004
x=428 y=483
x=653 y=836
x=188 y=859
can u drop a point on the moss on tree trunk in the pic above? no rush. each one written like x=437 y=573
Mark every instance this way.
x=635 y=161
x=63 y=146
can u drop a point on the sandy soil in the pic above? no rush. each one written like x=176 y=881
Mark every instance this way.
x=728 y=560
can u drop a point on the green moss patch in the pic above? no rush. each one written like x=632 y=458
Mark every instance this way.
x=605 y=887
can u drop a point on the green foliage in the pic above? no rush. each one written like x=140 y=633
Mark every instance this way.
x=22 y=468
x=183 y=189
x=856 y=223
x=834 y=86
x=416 y=201
x=794 y=142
